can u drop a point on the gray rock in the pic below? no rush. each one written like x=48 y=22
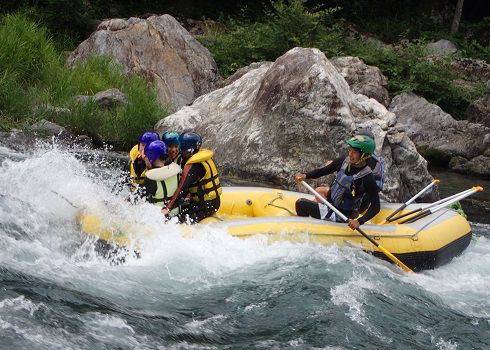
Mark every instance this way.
x=105 y=99
x=478 y=166
x=472 y=69
x=294 y=115
x=439 y=135
x=18 y=140
x=110 y=98
x=241 y=72
x=160 y=50
x=428 y=125
x=442 y=47
x=48 y=128
x=83 y=141
x=479 y=111
x=82 y=99
x=363 y=79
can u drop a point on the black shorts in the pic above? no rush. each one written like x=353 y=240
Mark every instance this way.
x=306 y=208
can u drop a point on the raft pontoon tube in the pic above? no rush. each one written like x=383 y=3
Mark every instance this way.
x=250 y=211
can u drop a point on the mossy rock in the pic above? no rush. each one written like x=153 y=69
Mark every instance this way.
x=434 y=156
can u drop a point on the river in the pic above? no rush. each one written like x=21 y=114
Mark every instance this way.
x=211 y=291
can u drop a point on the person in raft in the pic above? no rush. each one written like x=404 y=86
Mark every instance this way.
x=137 y=165
x=200 y=181
x=353 y=182
x=374 y=162
x=171 y=140
x=162 y=179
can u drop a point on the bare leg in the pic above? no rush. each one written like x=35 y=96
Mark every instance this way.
x=322 y=190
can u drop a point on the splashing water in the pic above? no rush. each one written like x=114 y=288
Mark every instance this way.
x=211 y=290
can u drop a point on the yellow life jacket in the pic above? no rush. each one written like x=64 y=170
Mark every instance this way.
x=209 y=187
x=134 y=154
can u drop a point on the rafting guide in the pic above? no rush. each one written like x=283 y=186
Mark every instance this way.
x=353 y=189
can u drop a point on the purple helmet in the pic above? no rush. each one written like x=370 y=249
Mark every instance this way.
x=148 y=137
x=155 y=149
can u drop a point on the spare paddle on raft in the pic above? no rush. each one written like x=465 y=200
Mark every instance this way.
x=390 y=218
x=430 y=205
x=343 y=217
x=433 y=209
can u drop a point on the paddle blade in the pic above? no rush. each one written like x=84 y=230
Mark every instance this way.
x=395 y=259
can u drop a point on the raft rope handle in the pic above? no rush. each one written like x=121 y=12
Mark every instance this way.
x=430 y=222
x=271 y=203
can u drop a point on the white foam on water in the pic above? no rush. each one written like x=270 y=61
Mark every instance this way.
x=205 y=326
x=464 y=284
x=112 y=330
x=20 y=303
x=353 y=294
x=56 y=250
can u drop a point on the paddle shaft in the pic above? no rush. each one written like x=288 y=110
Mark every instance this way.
x=343 y=217
x=427 y=212
x=64 y=198
x=404 y=205
x=439 y=202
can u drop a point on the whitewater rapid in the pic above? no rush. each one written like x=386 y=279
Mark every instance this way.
x=211 y=290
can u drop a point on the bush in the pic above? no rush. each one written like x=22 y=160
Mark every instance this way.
x=280 y=29
x=409 y=69
x=26 y=49
x=34 y=82
x=119 y=125
x=28 y=61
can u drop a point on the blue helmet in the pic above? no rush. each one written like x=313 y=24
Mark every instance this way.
x=171 y=138
x=148 y=137
x=155 y=149
x=190 y=141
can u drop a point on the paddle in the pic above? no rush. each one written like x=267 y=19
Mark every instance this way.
x=64 y=198
x=344 y=218
x=427 y=212
x=390 y=218
x=430 y=205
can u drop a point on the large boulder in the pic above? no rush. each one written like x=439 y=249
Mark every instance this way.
x=479 y=111
x=159 y=49
x=438 y=135
x=293 y=115
x=363 y=79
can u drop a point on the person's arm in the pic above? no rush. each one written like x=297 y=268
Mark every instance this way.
x=329 y=169
x=195 y=172
x=373 y=195
x=147 y=189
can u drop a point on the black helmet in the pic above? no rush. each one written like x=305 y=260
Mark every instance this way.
x=190 y=141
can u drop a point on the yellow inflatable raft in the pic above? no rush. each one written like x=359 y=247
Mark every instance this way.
x=249 y=211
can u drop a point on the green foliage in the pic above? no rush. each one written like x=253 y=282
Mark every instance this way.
x=282 y=28
x=457 y=206
x=35 y=84
x=97 y=73
x=13 y=101
x=118 y=125
x=26 y=49
x=410 y=70
x=141 y=113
